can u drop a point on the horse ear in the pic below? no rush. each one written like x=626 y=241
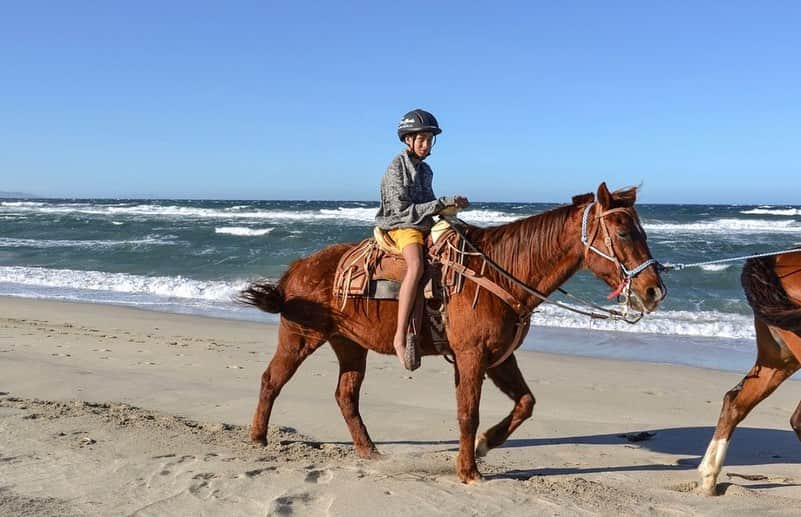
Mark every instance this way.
x=604 y=197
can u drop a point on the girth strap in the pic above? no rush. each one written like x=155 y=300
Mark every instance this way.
x=523 y=313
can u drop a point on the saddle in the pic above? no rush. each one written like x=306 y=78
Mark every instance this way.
x=375 y=267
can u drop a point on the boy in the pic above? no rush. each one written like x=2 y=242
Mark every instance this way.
x=407 y=210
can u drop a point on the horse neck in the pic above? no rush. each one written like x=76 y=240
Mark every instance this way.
x=543 y=251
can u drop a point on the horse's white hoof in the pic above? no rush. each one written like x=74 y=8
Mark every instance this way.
x=708 y=486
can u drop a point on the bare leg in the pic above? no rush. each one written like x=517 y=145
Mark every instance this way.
x=508 y=379
x=469 y=377
x=771 y=368
x=413 y=254
x=292 y=349
x=352 y=363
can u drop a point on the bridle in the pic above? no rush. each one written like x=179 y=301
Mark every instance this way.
x=624 y=288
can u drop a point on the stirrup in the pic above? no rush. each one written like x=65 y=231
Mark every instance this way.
x=411 y=359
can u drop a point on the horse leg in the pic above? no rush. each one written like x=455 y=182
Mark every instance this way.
x=293 y=348
x=773 y=365
x=795 y=421
x=508 y=378
x=352 y=363
x=469 y=377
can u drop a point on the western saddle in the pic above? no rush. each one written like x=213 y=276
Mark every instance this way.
x=374 y=269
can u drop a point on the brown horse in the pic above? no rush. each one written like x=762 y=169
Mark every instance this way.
x=773 y=288
x=543 y=251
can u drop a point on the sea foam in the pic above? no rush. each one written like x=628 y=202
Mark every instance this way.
x=123 y=283
x=773 y=211
x=726 y=226
x=242 y=231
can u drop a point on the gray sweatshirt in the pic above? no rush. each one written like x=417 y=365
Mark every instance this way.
x=407 y=200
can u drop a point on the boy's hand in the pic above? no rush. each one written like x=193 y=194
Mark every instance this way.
x=461 y=202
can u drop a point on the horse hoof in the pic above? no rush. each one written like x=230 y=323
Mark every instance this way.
x=481 y=447
x=258 y=440
x=369 y=454
x=473 y=478
x=709 y=489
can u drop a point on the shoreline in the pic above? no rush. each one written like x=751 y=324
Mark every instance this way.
x=735 y=354
x=96 y=401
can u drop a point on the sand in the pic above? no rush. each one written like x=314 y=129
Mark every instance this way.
x=114 y=411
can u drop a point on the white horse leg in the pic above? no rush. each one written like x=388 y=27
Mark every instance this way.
x=773 y=365
x=711 y=464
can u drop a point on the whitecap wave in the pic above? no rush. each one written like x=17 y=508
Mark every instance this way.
x=8 y=242
x=241 y=231
x=681 y=323
x=353 y=214
x=488 y=217
x=773 y=211
x=23 y=204
x=726 y=226
x=124 y=283
x=715 y=267
x=359 y=215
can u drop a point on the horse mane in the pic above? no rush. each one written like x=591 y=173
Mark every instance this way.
x=536 y=236
x=625 y=197
x=767 y=296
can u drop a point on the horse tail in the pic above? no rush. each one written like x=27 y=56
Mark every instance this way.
x=767 y=296
x=264 y=295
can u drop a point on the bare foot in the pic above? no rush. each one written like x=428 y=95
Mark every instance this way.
x=400 y=348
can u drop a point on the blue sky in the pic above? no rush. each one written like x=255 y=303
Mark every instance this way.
x=698 y=101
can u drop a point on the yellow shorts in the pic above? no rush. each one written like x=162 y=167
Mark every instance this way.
x=405 y=236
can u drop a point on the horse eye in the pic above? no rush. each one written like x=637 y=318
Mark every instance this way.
x=622 y=234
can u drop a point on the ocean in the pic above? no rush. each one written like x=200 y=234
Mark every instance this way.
x=189 y=256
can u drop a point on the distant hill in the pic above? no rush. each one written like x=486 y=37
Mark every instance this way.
x=14 y=195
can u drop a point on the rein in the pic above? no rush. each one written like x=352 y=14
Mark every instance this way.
x=679 y=267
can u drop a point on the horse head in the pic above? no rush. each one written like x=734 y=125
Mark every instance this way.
x=616 y=249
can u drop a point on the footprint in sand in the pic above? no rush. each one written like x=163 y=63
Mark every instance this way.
x=321 y=477
x=301 y=503
x=256 y=472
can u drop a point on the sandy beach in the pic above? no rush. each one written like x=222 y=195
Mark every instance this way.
x=115 y=411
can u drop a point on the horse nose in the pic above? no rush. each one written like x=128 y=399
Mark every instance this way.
x=655 y=294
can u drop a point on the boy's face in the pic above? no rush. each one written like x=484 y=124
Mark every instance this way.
x=420 y=144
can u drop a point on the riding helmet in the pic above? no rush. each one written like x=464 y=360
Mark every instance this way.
x=417 y=121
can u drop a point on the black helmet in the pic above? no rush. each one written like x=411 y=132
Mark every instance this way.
x=417 y=121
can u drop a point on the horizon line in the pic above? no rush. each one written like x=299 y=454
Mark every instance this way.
x=30 y=197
